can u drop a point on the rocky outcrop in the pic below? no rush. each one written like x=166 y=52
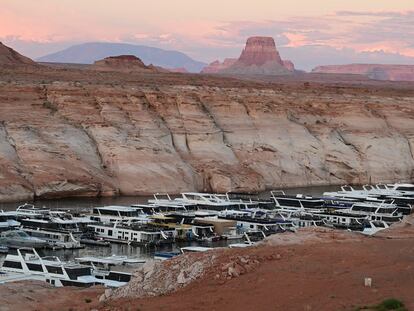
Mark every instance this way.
x=133 y=137
x=259 y=57
x=124 y=63
x=9 y=57
x=373 y=71
x=217 y=66
x=157 y=278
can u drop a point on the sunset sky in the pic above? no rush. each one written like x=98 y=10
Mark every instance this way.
x=330 y=31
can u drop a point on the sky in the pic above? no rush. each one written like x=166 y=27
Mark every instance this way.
x=309 y=32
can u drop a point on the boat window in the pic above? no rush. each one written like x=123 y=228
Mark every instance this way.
x=12 y=264
x=55 y=270
x=288 y=202
x=22 y=234
x=34 y=267
x=405 y=188
x=74 y=273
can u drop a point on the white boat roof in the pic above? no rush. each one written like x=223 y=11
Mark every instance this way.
x=196 y=249
x=117 y=208
x=240 y=245
x=116 y=260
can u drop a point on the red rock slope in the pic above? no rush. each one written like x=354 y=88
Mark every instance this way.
x=9 y=57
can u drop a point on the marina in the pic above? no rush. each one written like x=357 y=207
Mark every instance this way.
x=163 y=225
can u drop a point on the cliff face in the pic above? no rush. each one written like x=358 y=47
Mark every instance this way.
x=376 y=72
x=78 y=139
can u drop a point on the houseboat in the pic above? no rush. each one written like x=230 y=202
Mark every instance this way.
x=26 y=264
x=133 y=234
x=19 y=238
x=8 y=221
x=120 y=214
x=374 y=212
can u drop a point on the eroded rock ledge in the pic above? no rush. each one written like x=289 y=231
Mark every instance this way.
x=80 y=139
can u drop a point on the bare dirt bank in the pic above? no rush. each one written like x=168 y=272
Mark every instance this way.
x=317 y=269
x=69 y=132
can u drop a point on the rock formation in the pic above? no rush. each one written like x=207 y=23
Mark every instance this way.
x=9 y=57
x=217 y=66
x=259 y=57
x=259 y=51
x=124 y=63
x=129 y=135
x=376 y=72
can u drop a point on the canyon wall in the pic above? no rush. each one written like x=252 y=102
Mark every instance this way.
x=83 y=139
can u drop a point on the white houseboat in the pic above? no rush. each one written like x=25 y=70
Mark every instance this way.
x=26 y=264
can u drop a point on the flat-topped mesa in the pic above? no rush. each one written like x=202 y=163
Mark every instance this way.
x=259 y=57
x=9 y=57
x=123 y=63
x=259 y=51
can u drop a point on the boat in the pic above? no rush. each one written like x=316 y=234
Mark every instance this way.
x=250 y=239
x=26 y=264
x=56 y=238
x=195 y=249
x=119 y=214
x=209 y=201
x=19 y=238
x=372 y=227
x=298 y=202
x=374 y=211
x=107 y=263
x=224 y=228
x=8 y=221
x=91 y=238
x=257 y=220
x=165 y=255
x=30 y=211
x=133 y=234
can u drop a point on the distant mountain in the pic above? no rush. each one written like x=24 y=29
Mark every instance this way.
x=88 y=53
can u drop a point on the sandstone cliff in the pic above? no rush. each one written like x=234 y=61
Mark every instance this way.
x=373 y=71
x=116 y=133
